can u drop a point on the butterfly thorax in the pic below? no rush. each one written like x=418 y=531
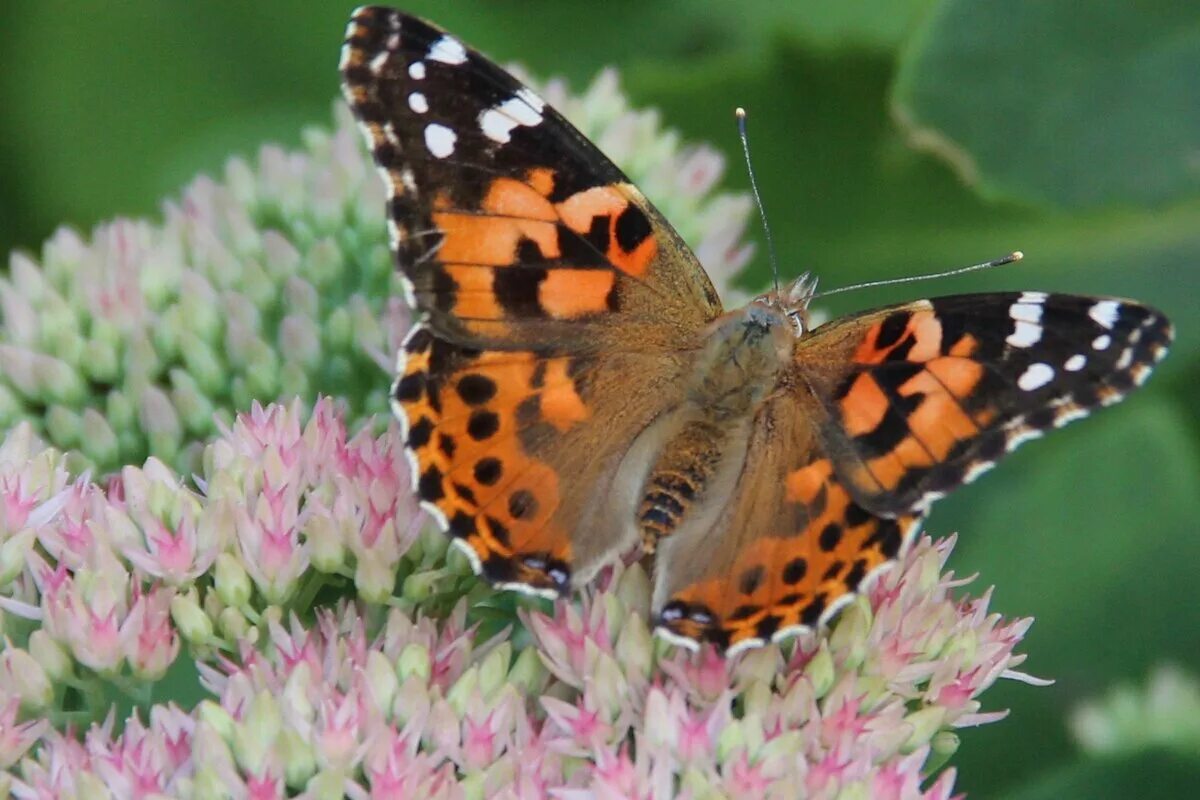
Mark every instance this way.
x=741 y=357
x=736 y=368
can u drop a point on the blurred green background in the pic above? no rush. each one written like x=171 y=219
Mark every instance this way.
x=891 y=137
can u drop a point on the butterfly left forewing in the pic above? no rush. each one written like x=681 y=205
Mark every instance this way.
x=509 y=227
x=556 y=307
x=917 y=399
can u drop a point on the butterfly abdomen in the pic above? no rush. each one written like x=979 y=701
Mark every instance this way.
x=737 y=367
x=684 y=469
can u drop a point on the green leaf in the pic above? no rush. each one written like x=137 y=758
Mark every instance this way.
x=1057 y=102
x=1093 y=533
x=1148 y=776
x=881 y=25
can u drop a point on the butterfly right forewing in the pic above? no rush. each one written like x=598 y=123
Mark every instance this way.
x=917 y=399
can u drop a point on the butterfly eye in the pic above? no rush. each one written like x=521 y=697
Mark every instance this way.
x=797 y=322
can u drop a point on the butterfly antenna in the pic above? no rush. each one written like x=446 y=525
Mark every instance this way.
x=740 y=113
x=995 y=262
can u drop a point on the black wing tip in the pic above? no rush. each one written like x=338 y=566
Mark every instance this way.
x=374 y=18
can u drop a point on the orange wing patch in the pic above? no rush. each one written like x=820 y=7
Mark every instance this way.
x=937 y=416
x=934 y=426
x=465 y=422
x=510 y=197
x=571 y=293
x=864 y=406
x=491 y=240
x=517 y=227
x=795 y=578
x=630 y=242
x=919 y=330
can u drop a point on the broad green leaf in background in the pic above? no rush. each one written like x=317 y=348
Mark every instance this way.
x=1057 y=102
x=1147 y=776
x=1103 y=594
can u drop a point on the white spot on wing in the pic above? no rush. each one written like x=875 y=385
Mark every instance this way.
x=1016 y=438
x=414 y=466
x=1069 y=414
x=535 y=102
x=789 y=632
x=1026 y=334
x=418 y=103
x=526 y=589
x=1101 y=342
x=410 y=291
x=416 y=70
x=977 y=469
x=1033 y=297
x=498 y=123
x=1035 y=376
x=670 y=636
x=1029 y=312
x=496 y=126
x=1105 y=313
x=380 y=61
x=1075 y=363
x=436 y=513
x=448 y=50
x=835 y=607
x=1126 y=358
x=744 y=645
x=469 y=552
x=440 y=140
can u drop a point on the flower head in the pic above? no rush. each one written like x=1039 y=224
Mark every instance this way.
x=270 y=535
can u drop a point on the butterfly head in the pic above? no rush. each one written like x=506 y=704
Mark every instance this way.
x=792 y=302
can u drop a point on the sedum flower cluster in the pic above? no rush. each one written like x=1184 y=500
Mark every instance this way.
x=1165 y=714
x=214 y=582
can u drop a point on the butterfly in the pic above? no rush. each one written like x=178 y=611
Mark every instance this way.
x=573 y=386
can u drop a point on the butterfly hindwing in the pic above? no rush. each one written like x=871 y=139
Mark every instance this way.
x=788 y=551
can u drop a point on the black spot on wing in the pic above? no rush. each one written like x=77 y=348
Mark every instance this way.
x=892 y=328
x=482 y=425
x=410 y=387
x=429 y=486
x=522 y=504
x=517 y=291
x=795 y=570
x=487 y=471
x=475 y=389
x=632 y=228
x=751 y=579
x=419 y=433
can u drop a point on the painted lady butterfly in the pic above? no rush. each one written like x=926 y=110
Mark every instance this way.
x=574 y=385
